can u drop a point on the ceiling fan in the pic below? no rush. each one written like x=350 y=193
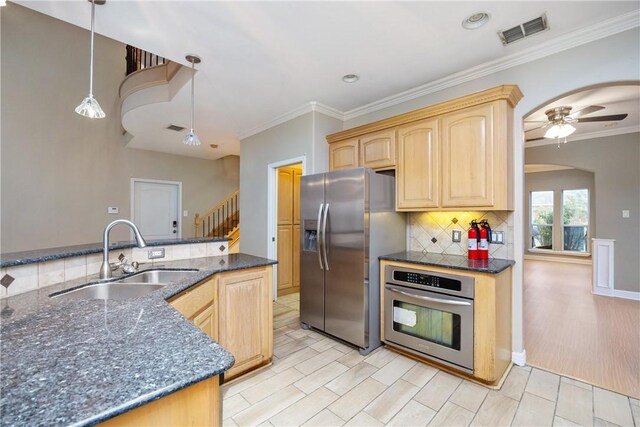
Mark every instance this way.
x=560 y=121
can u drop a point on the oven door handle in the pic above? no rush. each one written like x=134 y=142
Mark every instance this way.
x=438 y=300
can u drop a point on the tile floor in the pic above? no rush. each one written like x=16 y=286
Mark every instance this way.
x=316 y=381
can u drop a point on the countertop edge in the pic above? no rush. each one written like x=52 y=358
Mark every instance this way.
x=478 y=269
x=97 y=249
x=147 y=398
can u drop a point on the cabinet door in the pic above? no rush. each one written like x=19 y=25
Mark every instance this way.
x=417 y=178
x=296 y=255
x=297 y=173
x=246 y=326
x=378 y=150
x=343 y=155
x=207 y=321
x=467 y=157
x=285 y=196
x=285 y=269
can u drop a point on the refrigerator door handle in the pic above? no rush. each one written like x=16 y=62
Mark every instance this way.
x=318 y=235
x=324 y=237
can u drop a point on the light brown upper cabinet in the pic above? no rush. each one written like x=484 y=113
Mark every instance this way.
x=344 y=155
x=297 y=173
x=471 y=164
x=453 y=155
x=378 y=150
x=418 y=172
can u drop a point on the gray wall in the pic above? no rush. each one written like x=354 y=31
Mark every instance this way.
x=540 y=80
x=615 y=161
x=570 y=179
x=61 y=171
x=302 y=136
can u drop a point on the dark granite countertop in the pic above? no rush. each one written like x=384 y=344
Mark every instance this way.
x=82 y=362
x=459 y=262
x=28 y=257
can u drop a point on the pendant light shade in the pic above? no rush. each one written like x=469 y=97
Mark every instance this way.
x=561 y=130
x=89 y=107
x=192 y=138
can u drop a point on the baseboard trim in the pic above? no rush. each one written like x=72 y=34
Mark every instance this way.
x=558 y=259
x=617 y=293
x=519 y=357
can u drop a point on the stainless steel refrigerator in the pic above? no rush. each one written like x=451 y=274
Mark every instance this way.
x=348 y=220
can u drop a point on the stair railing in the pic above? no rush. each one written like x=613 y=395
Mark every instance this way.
x=138 y=59
x=220 y=220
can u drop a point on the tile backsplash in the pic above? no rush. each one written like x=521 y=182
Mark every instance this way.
x=37 y=275
x=431 y=231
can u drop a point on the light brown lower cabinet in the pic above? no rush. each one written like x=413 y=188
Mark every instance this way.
x=196 y=405
x=491 y=320
x=245 y=328
x=233 y=308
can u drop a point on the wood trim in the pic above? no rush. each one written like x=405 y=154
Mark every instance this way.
x=511 y=93
x=196 y=405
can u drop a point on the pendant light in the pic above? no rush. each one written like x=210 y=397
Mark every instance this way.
x=192 y=138
x=89 y=107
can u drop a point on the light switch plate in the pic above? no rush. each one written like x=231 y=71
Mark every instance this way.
x=156 y=253
x=456 y=235
x=625 y=213
x=185 y=213
x=113 y=210
x=497 y=237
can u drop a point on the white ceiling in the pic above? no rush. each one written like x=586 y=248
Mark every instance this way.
x=263 y=59
x=618 y=99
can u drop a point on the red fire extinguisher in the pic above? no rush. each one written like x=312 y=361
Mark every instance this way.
x=473 y=236
x=485 y=239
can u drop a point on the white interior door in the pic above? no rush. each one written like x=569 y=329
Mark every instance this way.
x=156 y=209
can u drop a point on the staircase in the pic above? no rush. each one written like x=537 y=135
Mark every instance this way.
x=221 y=221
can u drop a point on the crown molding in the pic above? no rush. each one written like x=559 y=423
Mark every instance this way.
x=570 y=40
x=583 y=136
x=576 y=38
x=290 y=115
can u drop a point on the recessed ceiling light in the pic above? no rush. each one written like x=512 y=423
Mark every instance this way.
x=350 y=78
x=476 y=20
x=213 y=145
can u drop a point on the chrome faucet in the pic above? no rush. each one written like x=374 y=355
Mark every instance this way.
x=105 y=270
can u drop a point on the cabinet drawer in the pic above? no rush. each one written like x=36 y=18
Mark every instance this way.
x=194 y=300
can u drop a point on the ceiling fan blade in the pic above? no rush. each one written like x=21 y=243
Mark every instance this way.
x=536 y=121
x=586 y=110
x=611 y=118
x=535 y=139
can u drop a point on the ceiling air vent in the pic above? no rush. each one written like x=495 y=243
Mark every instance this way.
x=521 y=31
x=176 y=128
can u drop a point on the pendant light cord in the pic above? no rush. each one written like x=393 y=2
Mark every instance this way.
x=93 y=18
x=193 y=71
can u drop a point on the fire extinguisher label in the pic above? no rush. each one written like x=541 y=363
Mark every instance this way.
x=484 y=245
x=473 y=244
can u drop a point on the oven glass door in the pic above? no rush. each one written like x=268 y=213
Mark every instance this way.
x=431 y=324
x=434 y=324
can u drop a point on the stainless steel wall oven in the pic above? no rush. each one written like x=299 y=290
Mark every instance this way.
x=430 y=314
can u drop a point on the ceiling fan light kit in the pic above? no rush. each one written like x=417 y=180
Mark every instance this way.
x=560 y=119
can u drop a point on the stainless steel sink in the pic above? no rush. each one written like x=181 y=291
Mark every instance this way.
x=157 y=276
x=133 y=286
x=112 y=290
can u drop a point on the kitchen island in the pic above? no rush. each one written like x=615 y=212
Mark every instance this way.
x=66 y=362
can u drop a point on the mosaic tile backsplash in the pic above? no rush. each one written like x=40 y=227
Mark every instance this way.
x=431 y=232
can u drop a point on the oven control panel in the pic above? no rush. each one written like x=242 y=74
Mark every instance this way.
x=446 y=283
x=427 y=280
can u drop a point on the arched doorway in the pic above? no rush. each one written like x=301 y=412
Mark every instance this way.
x=579 y=191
